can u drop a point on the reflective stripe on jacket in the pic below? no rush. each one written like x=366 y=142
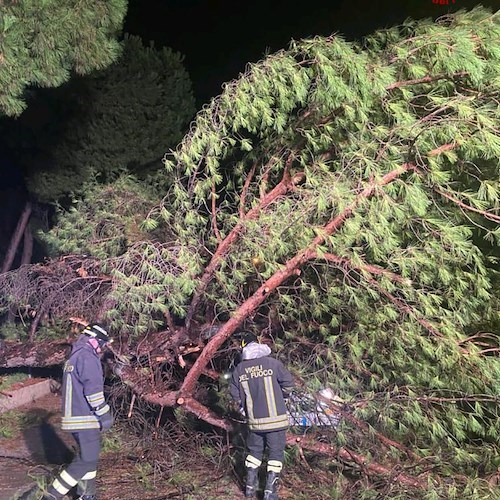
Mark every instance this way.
x=258 y=385
x=82 y=388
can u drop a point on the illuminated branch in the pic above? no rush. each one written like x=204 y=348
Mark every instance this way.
x=487 y=215
x=286 y=184
x=369 y=268
x=289 y=269
x=214 y=215
x=244 y=191
x=425 y=79
x=368 y=466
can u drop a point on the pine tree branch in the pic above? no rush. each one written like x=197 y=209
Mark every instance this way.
x=214 y=215
x=170 y=321
x=286 y=184
x=366 y=428
x=404 y=307
x=480 y=335
x=441 y=149
x=203 y=413
x=483 y=398
x=290 y=268
x=244 y=191
x=425 y=79
x=370 y=467
x=142 y=387
x=484 y=351
x=465 y=399
x=485 y=214
x=15 y=354
x=369 y=268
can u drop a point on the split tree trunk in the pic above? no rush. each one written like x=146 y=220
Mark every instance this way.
x=27 y=246
x=16 y=237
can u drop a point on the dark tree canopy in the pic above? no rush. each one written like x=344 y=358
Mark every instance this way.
x=121 y=120
x=43 y=43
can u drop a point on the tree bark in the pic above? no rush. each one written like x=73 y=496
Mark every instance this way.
x=308 y=443
x=27 y=246
x=25 y=259
x=278 y=278
x=16 y=237
x=36 y=354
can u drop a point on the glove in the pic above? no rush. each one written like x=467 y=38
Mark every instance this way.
x=106 y=421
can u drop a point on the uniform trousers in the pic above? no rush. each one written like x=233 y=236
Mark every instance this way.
x=275 y=442
x=82 y=471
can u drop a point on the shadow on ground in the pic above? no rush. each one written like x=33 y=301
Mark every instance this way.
x=43 y=442
x=34 y=446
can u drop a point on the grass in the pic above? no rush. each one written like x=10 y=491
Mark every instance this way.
x=14 y=421
x=111 y=441
x=145 y=472
x=182 y=478
x=7 y=381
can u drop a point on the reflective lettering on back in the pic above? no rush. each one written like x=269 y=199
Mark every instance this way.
x=256 y=372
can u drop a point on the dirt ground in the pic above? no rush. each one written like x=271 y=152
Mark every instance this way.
x=39 y=449
x=33 y=450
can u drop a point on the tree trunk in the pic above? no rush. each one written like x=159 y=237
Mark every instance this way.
x=27 y=246
x=16 y=237
x=25 y=259
x=39 y=354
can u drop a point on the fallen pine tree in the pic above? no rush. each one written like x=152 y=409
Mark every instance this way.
x=331 y=200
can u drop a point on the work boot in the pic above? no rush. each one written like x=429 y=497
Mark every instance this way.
x=271 y=489
x=252 y=482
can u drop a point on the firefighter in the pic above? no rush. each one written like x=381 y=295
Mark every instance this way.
x=260 y=385
x=85 y=413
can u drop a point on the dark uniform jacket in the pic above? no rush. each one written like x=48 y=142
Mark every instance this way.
x=257 y=384
x=82 y=388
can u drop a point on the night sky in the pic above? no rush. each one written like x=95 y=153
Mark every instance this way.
x=218 y=37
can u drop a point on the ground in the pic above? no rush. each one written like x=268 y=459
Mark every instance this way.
x=33 y=447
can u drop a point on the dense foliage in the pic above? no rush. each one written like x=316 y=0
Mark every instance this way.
x=117 y=120
x=333 y=199
x=43 y=43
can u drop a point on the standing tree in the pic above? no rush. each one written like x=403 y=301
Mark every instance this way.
x=113 y=121
x=120 y=120
x=328 y=199
x=42 y=43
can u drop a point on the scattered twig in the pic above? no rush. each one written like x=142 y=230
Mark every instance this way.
x=131 y=406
